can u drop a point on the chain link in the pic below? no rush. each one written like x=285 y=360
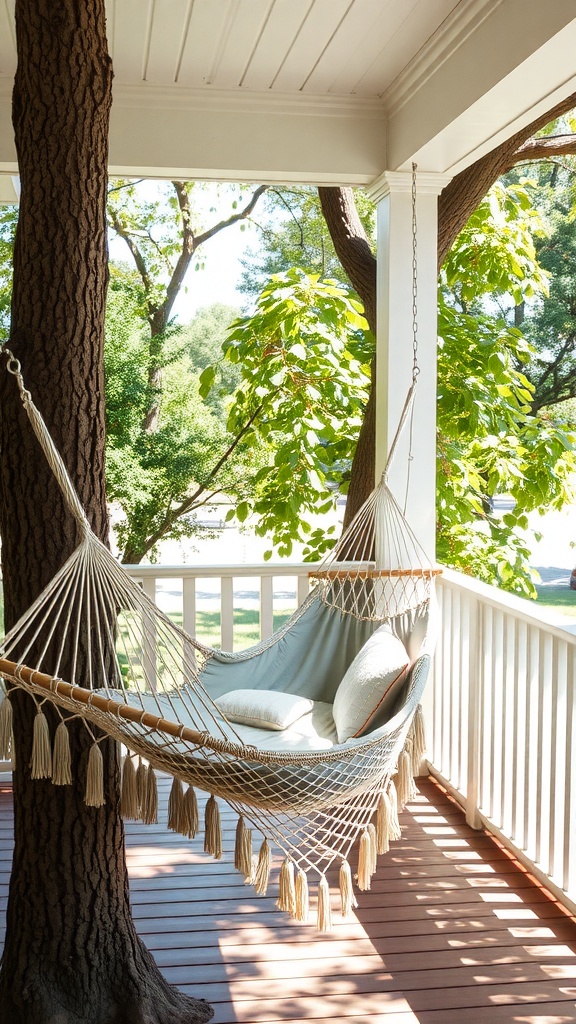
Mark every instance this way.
x=415 y=367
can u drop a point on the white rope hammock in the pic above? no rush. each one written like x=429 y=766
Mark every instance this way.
x=135 y=675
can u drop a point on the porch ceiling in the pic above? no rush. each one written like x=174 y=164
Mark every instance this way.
x=325 y=91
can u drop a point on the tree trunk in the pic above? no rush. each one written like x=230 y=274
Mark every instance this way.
x=354 y=252
x=71 y=955
x=462 y=195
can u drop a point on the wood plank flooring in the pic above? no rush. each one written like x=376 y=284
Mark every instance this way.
x=453 y=931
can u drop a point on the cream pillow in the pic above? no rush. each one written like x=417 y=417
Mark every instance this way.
x=266 y=709
x=371 y=684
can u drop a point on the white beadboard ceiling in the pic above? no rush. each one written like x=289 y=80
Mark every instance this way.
x=318 y=90
x=315 y=47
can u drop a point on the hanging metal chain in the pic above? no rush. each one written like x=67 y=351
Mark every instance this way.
x=415 y=367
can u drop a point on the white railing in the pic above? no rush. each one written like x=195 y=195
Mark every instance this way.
x=223 y=593
x=501 y=724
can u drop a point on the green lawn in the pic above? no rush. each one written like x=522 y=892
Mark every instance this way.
x=246 y=625
x=558 y=598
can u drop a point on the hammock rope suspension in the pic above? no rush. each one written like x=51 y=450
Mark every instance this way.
x=100 y=650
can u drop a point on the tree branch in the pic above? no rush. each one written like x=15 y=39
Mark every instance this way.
x=188 y=504
x=234 y=218
x=135 y=251
x=546 y=148
x=460 y=198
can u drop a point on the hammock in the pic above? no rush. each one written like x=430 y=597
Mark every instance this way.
x=344 y=677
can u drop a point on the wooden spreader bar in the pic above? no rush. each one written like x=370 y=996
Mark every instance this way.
x=367 y=574
x=32 y=677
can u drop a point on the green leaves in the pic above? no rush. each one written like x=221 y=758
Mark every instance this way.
x=206 y=380
x=489 y=443
x=304 y=384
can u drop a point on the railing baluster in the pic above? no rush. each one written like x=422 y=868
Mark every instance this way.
x=149 y=634
x=303 y=585
x=227 y=612
x=472 y=722
x=517 y=718
x=266 y=606
x=189 y=605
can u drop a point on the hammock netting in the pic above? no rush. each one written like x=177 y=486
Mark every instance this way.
x=98 y=648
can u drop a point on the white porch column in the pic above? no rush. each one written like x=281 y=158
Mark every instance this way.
x=394 y=347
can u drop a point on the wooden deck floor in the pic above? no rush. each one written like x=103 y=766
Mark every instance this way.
x=452 y=931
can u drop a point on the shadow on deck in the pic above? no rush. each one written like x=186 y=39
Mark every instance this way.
x=452 y=930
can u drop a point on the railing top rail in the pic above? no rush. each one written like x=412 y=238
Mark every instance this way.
x=519 y=607
x=205 y=571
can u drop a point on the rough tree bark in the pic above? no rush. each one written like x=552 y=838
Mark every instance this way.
x=462 y=195
x=456 y=204
x=354 y=252
x=72 y=955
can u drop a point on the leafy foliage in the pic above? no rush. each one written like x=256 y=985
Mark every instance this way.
x=550 y=323
x=8 y=221
x=294 y=234
x=488 y=441
x=160 y=478
x=304 y=359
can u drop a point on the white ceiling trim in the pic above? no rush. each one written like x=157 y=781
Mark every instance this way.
x=179 y=98
x=454 y=31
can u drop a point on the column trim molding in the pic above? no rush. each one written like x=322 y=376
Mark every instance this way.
x=427 y=183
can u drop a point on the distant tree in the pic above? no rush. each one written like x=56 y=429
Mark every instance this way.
x=161 y=479
x=293 y=233
x=203 y=339
x=164 y=235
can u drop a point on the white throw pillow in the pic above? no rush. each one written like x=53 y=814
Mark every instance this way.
x=371 y=684
x=266 y=709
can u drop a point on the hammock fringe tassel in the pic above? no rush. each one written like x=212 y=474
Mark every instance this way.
x=150 y=816
x=262 y=874
x=364 y=861
x=6 y=731
x=129 y=795
x=94 y=795
x=175 y=805
x=383 y=823
x=287 y=888
x=418 y=741
x=302 y=898
x=243 y=850
x=347 y=897
x=61 y=758
x=190 y=815
x=394 y=831
x=212 y=829
x=324 y=920
x=41 y=759
x=141 y=778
